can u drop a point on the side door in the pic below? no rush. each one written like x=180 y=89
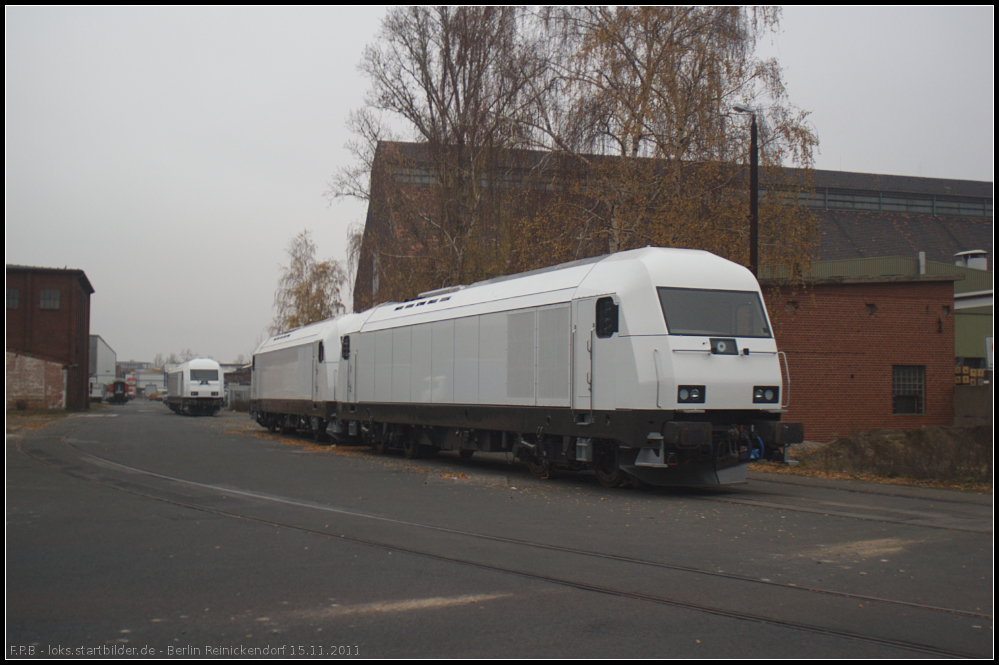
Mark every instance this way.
x=318 y=371
x=583 y=334
x=594 y=343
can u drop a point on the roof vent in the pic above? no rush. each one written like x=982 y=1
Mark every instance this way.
x=973 y=258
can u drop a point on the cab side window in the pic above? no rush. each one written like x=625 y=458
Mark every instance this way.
x=607 y=316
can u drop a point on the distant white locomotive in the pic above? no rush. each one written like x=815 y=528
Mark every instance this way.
x=654 y=365
x=195 y=387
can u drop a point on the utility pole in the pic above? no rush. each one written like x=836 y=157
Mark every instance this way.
x=754 y=191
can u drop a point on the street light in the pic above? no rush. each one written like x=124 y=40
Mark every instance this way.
x=754 y=191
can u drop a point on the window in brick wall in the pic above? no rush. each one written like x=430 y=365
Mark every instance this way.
x=908 y=389
x=49 y=299
x=12 y=295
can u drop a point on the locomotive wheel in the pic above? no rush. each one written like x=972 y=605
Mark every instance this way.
x=539 y=468
x=637 y=483
x=319 y=434
x=380 y=447
x=466 y=453
x=608 y=473
x=609 y=479
x=410 y=448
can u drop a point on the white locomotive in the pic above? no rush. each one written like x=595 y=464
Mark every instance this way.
x=294 y=378
x=654 y=365
x=195 y=387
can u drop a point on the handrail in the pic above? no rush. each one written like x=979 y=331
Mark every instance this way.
x=787 y=373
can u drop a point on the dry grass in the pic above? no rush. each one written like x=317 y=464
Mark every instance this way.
x=948 y=457
x=31 y=420
x=305 y=443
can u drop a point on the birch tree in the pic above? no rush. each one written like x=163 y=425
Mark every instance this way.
x=309 y=290
x=457 y=77
x=641 y=100
x=628 y=116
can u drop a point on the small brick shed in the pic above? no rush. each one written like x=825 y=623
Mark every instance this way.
x=866 y=352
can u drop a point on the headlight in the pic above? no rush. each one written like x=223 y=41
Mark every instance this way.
x=766 y=394
x=690 y=394
x=724 y=346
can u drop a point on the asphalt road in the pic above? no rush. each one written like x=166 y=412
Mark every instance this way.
x=135 y=531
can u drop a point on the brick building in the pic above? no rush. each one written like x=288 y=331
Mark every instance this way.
x=859 y=215
x=48 y=338
x=867 y=352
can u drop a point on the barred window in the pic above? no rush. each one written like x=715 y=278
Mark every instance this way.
x=49 y=299
x=908 y=389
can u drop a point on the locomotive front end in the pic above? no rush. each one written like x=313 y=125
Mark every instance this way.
x=719 y=378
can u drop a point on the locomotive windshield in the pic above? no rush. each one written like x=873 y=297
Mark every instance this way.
x=204 y=375
x=712 y=312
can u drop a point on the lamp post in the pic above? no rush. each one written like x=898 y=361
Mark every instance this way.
x=754 y=191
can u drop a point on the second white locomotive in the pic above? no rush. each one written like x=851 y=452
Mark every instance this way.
x=195 y=387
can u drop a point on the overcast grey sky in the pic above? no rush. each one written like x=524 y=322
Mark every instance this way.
x=172 y=154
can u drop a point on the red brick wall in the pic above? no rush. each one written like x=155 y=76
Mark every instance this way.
x=842 y=341
x=61 y=335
